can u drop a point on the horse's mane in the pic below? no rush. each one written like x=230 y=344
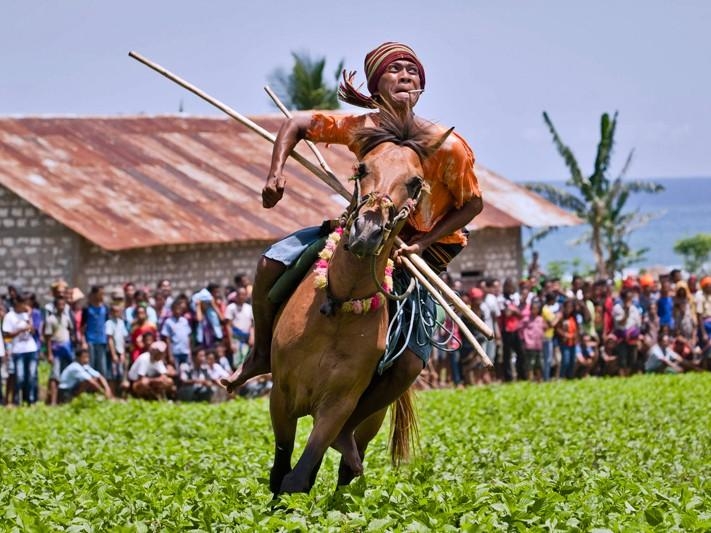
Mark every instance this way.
x=399 y=128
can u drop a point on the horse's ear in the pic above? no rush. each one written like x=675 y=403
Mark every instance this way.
x=438 y=144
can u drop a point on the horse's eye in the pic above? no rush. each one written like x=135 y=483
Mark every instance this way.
x=414 y=186
x=362 y=170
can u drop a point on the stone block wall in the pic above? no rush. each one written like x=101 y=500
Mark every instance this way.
x=35 y=249
x=492 y=252
x=189 y=267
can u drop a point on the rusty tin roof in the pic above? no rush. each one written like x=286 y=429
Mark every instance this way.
x=139 y=181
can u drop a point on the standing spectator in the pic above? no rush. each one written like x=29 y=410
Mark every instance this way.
x=129 y=291
x=665 y=304
x=18 y=326
x=164 y=291
x=550 y=316
x=149 y=376
x=511 y=316
x=628 y=324
x=140 y=327
x=93 y=323
x=481 y=373
x=242 y=280
x=208 y=316
x=685 y=326
x=532 y=333
x=58 y=334
x=116 y=337
x=140 y=300
x=491 y=301
x=241 y=318
x=79 y=377
x=3 y=350
x=76 y=300
x=568 y=337
x=176 y=333
x=703 y=311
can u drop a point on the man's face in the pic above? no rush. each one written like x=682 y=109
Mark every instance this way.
x=165 y=287
x=60 y=305
x=400 y=77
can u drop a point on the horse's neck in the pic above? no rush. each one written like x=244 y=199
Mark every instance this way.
x=350 y=277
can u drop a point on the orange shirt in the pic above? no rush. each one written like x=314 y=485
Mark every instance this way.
x=449 y=171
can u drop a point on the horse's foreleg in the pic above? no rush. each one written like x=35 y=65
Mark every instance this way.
x=327 y=423
x=284 y=427
x=364 y=433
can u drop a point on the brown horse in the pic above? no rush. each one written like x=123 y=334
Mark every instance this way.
x=323 y=358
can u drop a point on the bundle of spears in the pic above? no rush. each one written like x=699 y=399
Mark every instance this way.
x=441 y=292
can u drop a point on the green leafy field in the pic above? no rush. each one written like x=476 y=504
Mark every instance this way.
x=616 y=454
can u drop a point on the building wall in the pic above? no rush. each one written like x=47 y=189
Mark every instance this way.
x=188 y=267
x=491 y=252
x=34 y=249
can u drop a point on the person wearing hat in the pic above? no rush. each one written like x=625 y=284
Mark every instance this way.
x=149 y=377
x=395 y=80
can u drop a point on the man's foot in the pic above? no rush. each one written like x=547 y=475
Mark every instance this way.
x=254 y=366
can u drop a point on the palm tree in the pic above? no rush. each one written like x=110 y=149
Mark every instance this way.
x=600 y=201
x=304 y=87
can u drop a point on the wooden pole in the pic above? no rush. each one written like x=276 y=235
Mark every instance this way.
x=331 y=180
x=328 y=177
x=454 y=316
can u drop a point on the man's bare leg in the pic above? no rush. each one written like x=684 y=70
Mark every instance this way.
x=258 y=361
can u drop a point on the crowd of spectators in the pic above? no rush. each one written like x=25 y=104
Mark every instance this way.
x=153 y=344
x=124 y=342
x=545 y=331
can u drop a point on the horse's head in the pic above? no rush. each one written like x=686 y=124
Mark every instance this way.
x=389 y=181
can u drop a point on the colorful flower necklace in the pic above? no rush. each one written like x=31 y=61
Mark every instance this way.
x=358 y=306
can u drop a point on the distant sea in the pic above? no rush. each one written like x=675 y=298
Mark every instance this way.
x=683 y=209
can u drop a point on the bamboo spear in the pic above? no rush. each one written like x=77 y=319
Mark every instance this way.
x=328 y=177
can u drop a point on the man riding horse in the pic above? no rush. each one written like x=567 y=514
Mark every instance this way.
x=396 y=79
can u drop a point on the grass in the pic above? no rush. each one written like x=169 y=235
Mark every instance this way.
x=598 y=454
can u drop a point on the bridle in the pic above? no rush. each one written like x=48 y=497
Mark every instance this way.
x=376 y=199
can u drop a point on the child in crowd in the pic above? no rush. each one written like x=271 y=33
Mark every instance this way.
x=60 y=354
x=533 y=328
x=79 y=377
x=116 y=336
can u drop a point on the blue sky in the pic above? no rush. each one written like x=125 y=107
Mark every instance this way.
x=492 y=67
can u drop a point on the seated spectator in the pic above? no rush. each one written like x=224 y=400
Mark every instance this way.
x=662 y=358
x=149 y=377
x=609 y=365
x=214 y=370
x=60 y=354
x=195 y=384
x=79 y=377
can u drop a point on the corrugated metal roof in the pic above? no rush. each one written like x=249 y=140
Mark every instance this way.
x=132 y=182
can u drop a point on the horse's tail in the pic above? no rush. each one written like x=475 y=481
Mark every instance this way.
x=404 y=432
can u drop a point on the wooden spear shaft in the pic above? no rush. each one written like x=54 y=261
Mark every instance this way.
x=406 y=260
x=331 y=180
